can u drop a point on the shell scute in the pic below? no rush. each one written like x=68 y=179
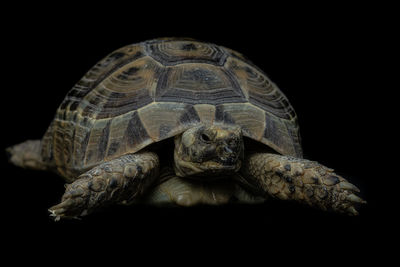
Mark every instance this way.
x=198 y=84
x=261 y=91
x=177 y=52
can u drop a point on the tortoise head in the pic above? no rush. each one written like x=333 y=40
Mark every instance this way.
x=208 y=152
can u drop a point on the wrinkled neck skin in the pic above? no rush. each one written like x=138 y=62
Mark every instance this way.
x=208 y=153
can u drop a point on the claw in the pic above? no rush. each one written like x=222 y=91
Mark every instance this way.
x=63 y=204
x=348 y=186
x=58 y=211
x=53 y=213
x=352 y=210
x=356 y=199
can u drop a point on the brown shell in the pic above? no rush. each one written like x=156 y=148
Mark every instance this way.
x=147 y=92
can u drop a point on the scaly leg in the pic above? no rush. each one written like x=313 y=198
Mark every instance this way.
x=27 y=155
x=305 y=181
x=119 y=180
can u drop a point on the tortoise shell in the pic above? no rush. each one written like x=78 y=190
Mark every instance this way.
x=146 y=92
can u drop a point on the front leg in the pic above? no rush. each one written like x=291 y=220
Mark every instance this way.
x=309 y=182
x=116 y=181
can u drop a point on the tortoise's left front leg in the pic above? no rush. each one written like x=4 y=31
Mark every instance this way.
x=116 y=181
x=305 y=181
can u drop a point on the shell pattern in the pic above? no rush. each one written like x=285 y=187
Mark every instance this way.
x=150 y=91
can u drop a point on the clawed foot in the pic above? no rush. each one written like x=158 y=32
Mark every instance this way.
x=108 y=183
x=347 y=199
x=320 y=186
x=302 y=180
x=74 y=202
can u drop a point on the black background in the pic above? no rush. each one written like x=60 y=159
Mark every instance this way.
x=322 y=58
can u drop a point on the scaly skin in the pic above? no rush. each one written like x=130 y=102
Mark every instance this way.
x=27 y=155
x=305 y=181
x=116 y=181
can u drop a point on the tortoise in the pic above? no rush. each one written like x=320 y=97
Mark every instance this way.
x=176 y=121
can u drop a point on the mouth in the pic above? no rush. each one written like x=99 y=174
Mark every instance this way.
x=209 y=170
x=213 y=170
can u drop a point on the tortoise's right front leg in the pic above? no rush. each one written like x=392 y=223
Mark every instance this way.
x=119 y=180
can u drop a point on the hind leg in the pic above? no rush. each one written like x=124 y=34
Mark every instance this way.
x=27 y=155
